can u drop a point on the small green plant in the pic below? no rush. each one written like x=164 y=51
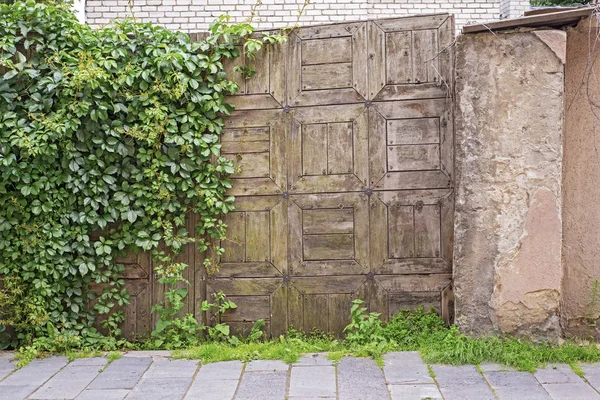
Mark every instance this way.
x=113 y=356
x=363 y=328
x=220 y=331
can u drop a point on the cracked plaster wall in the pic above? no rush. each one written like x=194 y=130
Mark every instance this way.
x=509 y=124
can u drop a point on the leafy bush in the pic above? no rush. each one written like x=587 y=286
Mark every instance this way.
x=109 y=140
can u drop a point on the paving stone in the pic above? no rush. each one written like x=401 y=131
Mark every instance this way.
x=493 y=367
x=221 y=370
x=110 y=394
x=26 y=380
x=99 y=361
x=123 y=373
x=262 y=386
x=6 y=367
x=415 y=392
x=592 y=374
x=405 y=367
x=170 y=388
x=516 y=385
x=571 y=391
x=313 y=359
x=171 y=369
x=149 y=353
x=7 y=355
x=360 y=379
x=316 y=381
x=558 y=373
x=209 y=389
x=461 y=382
x=266 y=365
x=68 y=382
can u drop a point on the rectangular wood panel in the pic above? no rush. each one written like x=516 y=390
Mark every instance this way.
x=327 y=221
x=399 y=57
x=327 y=51
x=339 y=148
x=327 y=76
x=314 y=149
x=413 y=157
x=413 y=131
x=328 y=247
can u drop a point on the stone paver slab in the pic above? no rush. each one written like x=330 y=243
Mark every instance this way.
x=316 y=381
x=160 y=389
x=592 y=374
x=266 y=365
x=110 y=394
x=516 y=385
x=571 y=391
x=149 y=353
x=209 y=389
x=7 y=355
x=558 y=373
x=123 y=373
x=493 y=367
x=262 y=386
x=462 y=382
x=405 y=367
x=313 y=359
x=221 y=370
x=68 y=382
x=26 y=380
x=98 y=361
x=171 y=369
x=415 y=392
x=360 y=379
x=6 y=367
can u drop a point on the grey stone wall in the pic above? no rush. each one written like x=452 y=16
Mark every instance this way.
x=509 y=122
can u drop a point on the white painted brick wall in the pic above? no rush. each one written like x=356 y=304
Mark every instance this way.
x=196 y=15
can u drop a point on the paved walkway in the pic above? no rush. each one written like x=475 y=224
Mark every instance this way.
x=152 y=375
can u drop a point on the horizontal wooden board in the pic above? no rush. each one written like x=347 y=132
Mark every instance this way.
x=413 y=131
x=413 y=157
x=328 y=247
x=327 y=76
x=327 y=221
x=327 y=51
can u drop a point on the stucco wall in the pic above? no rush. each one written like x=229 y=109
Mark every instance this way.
x=509 y=121
x=581 y=190
x=196 y=15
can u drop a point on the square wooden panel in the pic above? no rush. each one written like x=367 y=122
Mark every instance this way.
x=256 y=238
x=329 y=234
x=266 y=88
x=329 y=149
x=410 y=57
x=411 y=145
x=255 y=141
x=328 y=65
x=417 y=237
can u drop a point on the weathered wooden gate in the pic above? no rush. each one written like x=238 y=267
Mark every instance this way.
x=345 y=140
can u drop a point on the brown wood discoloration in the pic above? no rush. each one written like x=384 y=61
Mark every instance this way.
x=345 y=140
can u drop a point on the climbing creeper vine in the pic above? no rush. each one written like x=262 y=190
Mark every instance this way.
x=109 y=140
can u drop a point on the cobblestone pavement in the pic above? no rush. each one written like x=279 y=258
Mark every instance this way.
x=152 y=375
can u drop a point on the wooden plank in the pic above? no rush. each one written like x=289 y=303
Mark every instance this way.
x=378 y=217
x=257 y=236
x=424 y=51
x=413 y=131
x=277 y=71
x=246 y=134
x=447 y=306
x=427 y=231
x=431 y=21
x=339 y=146
x=447 y=228
x=401 y=235
x=279 y=236
x=278 y=153
x=413 y=92
x=412 y=108
x=326 y=76
x=235 y=242
x=327 y=51
x=198 y=288
x=328 y=31
x=359 y=60
x=328 y=97
x=328 y=247
x=414 y=180
x=295 y=304
x=314 y=149
x=411 y=197
x=328 y=183
x=327 y=200
x=375 y=298
x=376 y=61
x=398 y=57
x=259 y=82
x=278 y=317
x=256 y=203
x=339 y=313
x=244 y=147
x=228 y=67
x=247 y=270
x=447 y=143
x=316 y=313
x=327 y=221
x=253 y=187
x=446 y=53
x=293 y=71
x=244 y=286
x=377 y=147
x=360 y=129
x=330 y=267
x=413 y=283
x=413 y=300
x=328 y=285
x=415 y=266
x=252 y=165
x=249 y=308
x=253 y=102
x=413 y=157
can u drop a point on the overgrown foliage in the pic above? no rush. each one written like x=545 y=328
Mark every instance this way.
x=109 y=142
x=561 y=3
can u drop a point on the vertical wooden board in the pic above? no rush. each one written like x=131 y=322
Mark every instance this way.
x=278 y=156
x=259 y=82
x=316 y=312
x=413 y=300
x=361 y=231
x=279 y=237
x=340 y=148
x=294 y=72
x=398 y=57
x=377 y=147
x=339 y=313
x=258 y=236
x=427 y=231
x=401 y=232
x=446 y=55
x=279 y=321
x=361 y=147
x=294 y=144
x=447 y=228
x=314 y=149
x=359 y=60
x=228 y=67
x=447 y=143
x=295 y=304
x=235 y=242
x=375 y=297
x=376 y=59
x=448 y=304
x=277 y=71
x=294 y=236
x=378 y=218
x=424 y=51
